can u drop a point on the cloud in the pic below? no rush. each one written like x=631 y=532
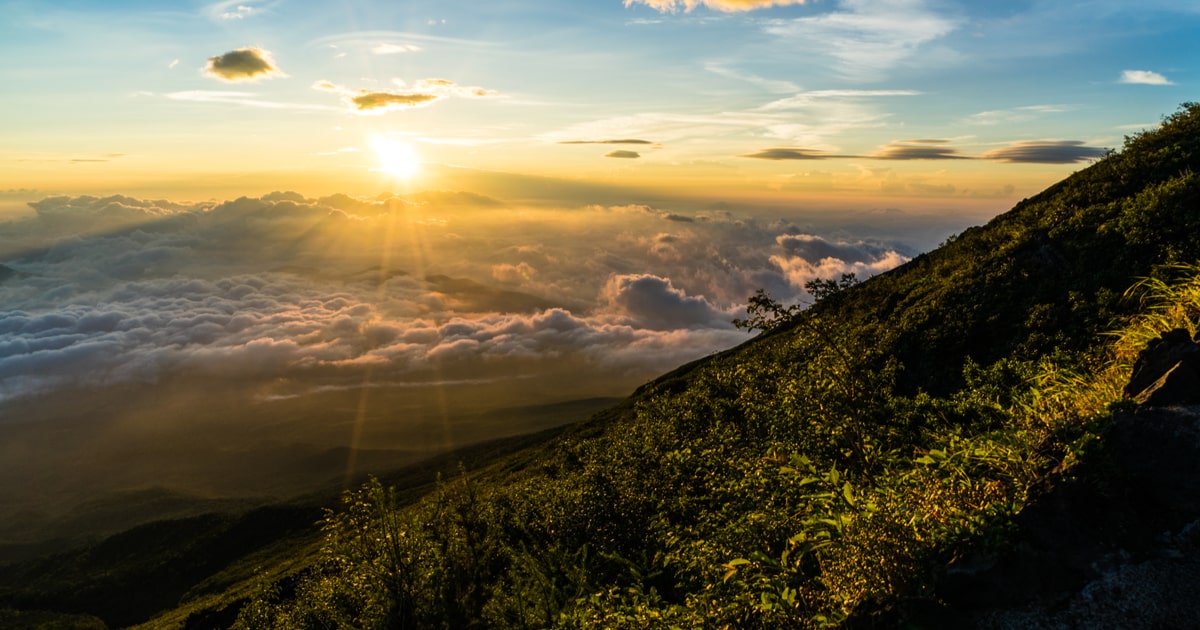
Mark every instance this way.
x=1015 y=115
x=246 y=99
x=394 y=49
x=289 y=294
x=1046 y=152
x=1144 y=77
x=919 y=150
x=623 y=154
x=238 y=13
x=771 y=85
x=380 y=102
x=243 y=64
x=867 y=37
x=785 y=153
x=422 y=93
x=653 y=302
x=808 y=257
x=727 y=6
x=623 y=141
x=1041 y=151
x=227 y=10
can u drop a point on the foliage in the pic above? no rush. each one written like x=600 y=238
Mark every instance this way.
x=766 y=313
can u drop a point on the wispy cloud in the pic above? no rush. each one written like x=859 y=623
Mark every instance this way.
x=237 y=9
x=394 y=49
x=1144 y=77
x=775 y=86
x=1046 y=152
x=867 y=37
x=242 y=65
x=804 y=119
x=812 y=98
x=621 y=141
x=1014 y=115
x=246 y=99
x=727 y=6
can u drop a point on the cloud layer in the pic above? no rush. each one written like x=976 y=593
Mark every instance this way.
x=1028 y=152
x=312 y=292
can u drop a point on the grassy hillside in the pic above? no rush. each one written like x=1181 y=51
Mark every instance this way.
x=823 y=473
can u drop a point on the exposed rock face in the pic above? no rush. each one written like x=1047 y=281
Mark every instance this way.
x=1167 y=372
x=1117 y=545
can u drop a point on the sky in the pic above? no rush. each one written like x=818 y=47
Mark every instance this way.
x=246 y=247
x=848 y=102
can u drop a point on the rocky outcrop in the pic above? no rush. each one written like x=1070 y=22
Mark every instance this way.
x=1167 y=372
x=1117 y=543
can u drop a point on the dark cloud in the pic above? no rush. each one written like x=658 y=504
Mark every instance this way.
x=379 y=102
x=623 y=141
x=623 y=154
x=1046 y=152
x=919 y=150
x=784 y=153
x=654 y=302
x=243 y=64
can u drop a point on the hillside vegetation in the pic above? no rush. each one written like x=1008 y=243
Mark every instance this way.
x=823 y=473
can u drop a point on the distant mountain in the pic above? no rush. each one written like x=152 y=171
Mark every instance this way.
x=840 y=469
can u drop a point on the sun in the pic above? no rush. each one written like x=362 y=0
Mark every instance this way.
x=395 y=158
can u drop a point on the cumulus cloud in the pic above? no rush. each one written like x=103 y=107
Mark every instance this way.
x=1046 y=152
x=623 y=154
x=653 y=302
x=808 y=257
x=727 y=6
x=1144 y=77
x=243 y=64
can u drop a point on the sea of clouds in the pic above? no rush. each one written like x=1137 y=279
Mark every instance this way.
x=266 y=346
x=101 y=291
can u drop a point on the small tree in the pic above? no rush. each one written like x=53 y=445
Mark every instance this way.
x=765 y=313
x=820 y=289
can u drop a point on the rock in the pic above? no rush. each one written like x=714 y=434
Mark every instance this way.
x=1115 y=543
x=1167 y=372
x=1180 y=385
